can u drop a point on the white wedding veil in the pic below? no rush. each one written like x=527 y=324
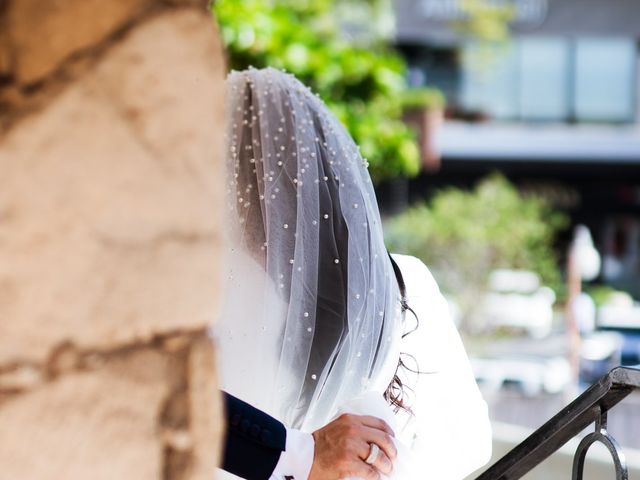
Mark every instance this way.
x=312 y=304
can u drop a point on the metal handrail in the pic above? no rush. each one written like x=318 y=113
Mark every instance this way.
x=592 y=406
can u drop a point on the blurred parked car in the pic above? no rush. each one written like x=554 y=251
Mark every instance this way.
x=517 y=300
x=532 y=374
x=621 y=315
x=599 y=353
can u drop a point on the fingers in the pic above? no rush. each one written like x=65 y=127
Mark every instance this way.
x=383 y=463
x=342 y=446
x=382 y=439
x=379 y=432
x=365 y=471
x=377 y=423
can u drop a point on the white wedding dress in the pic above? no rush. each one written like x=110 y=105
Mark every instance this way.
x=448 y=434
x=312 y=325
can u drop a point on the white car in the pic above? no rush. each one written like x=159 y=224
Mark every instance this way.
x=534 y=375
x=517 y=300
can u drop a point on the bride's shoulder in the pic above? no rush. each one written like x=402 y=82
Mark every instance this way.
x=417 y=276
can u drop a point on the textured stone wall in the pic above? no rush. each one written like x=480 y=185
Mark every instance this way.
x=110 y=207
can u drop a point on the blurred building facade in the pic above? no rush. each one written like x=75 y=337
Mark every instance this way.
x=557 y=110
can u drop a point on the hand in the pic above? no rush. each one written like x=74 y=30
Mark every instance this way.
x=342 y=446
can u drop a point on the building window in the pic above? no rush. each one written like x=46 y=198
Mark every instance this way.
x=604 y=80
x=490 y=80
x=544 y=77
x=552 y=79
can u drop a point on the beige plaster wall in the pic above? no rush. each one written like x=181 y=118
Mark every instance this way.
x=110 y=237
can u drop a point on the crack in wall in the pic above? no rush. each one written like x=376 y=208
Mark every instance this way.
x=67 y=358
x=158 y=240
x=174 y=418
x=18 y=101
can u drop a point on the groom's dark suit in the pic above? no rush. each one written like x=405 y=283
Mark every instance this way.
x=254 y=440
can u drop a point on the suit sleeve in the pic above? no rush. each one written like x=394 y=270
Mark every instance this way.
x=254 y=440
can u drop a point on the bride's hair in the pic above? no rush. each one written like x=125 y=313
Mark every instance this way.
x=396 y=392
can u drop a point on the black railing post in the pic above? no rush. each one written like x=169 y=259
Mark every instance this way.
x=600 y=435
x=592 y=406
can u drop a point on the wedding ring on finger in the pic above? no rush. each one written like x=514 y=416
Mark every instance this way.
x=373 y=454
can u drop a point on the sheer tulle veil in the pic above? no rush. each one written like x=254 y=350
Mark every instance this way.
x=312 y=304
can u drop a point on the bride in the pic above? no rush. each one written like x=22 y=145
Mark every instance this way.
x=319 y=319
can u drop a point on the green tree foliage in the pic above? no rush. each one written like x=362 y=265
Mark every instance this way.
x=362 y=84
x=486 y=24
x=485 y=20
x=464 y=235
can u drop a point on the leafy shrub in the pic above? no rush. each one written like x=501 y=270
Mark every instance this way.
x=427 y=97
x=464 y=235
x=362 y=84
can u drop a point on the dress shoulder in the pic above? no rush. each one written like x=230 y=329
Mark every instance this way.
x=417 y=276
x=447 y=405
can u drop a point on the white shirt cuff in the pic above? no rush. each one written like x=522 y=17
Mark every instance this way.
x=295 y=462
